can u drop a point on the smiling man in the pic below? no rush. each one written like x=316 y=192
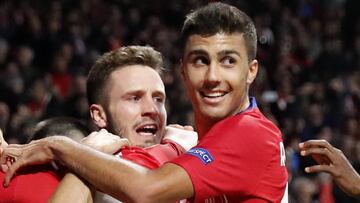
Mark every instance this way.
x=240 y=156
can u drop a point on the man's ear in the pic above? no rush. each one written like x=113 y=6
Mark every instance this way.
x=253 y=70
x=98 y=115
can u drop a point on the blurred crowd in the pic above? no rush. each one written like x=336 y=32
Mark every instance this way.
x=308 y=84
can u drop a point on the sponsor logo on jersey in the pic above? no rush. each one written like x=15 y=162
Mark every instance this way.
x=201 y=153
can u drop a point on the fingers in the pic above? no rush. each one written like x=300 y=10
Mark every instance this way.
x=4 y=167
x=321 y=147
x=311 y=151
x=176 y=126
x=316 y=144
x=321 y=159
x=320 y=155
x=318 y=168
x=189 y=127
x=11 y=172
x=185 y=127
x=9 y=154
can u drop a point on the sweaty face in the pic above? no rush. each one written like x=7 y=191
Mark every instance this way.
x=135 y=107
x=217 y=75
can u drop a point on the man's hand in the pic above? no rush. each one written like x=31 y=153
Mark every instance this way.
x=3 y=145
x=19 y=156
x=182 y=127
x=183 y=135
x=333 y=161
x=105 y=142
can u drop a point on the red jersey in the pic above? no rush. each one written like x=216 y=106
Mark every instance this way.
x=154 y=156
x=241 y=159
x=36 y=185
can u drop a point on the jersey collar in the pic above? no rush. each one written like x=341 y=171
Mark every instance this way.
x=252 y=105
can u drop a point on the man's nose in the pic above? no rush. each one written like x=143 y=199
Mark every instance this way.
x=150 y=108
x=212 y=77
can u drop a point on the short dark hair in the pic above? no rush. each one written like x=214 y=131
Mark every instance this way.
x=111 y=61
x=219 y=17
x=62 y=125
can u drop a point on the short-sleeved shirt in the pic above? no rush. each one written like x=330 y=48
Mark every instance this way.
x=241 y=159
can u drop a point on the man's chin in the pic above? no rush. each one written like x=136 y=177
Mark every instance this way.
x=146 y=143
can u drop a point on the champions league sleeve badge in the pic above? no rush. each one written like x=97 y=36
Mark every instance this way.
x=201 y=153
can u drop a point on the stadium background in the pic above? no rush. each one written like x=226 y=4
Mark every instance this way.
x=309 y=80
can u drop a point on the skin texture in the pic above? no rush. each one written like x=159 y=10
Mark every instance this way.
x=135 y=98
x=222 y=70
x=332 y=160
x=217 y=76
x=3 y=144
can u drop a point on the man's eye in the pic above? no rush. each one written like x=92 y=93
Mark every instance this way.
x=159 y=99
x=198 y=61
x=228 y=60
x=134 y=98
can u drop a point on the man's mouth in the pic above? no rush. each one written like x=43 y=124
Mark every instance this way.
x=147 y=129
x=213 y=94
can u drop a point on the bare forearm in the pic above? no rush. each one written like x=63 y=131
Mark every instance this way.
x=72 y=189
x=120 y=178
x=117 y=177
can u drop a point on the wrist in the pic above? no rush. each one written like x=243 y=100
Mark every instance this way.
x=57 y=146
x=356 y=189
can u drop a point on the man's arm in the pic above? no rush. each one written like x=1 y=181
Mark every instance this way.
x=72 y=189
x=333 y=161
x=120 y=178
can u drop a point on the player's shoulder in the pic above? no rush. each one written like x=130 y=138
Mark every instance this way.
x=249 y=122
x=249 y=118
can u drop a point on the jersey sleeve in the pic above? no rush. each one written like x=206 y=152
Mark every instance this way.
x=231 y=159
x=154 y=156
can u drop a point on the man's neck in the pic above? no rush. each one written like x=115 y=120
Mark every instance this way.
x=204 y=124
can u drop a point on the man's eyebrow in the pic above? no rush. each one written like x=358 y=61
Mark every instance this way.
x=134 y=92
x=228 y=52
x=197 y=52
x=141 y=92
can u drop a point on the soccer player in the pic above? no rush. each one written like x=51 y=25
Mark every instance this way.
x=240 y=156
x=127 y=97
x=36 y=184
x=333 y=161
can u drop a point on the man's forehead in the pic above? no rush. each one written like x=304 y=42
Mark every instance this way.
x=136 y=78
x=219 y=42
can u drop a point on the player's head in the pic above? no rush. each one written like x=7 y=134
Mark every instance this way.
x=218 y=64
x=217 y=18
x=66 y=126
x=127 y=96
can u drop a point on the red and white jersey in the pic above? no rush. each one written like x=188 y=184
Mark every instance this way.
x=241 y=159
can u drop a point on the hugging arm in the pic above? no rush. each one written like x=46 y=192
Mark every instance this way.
x=120 y=178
